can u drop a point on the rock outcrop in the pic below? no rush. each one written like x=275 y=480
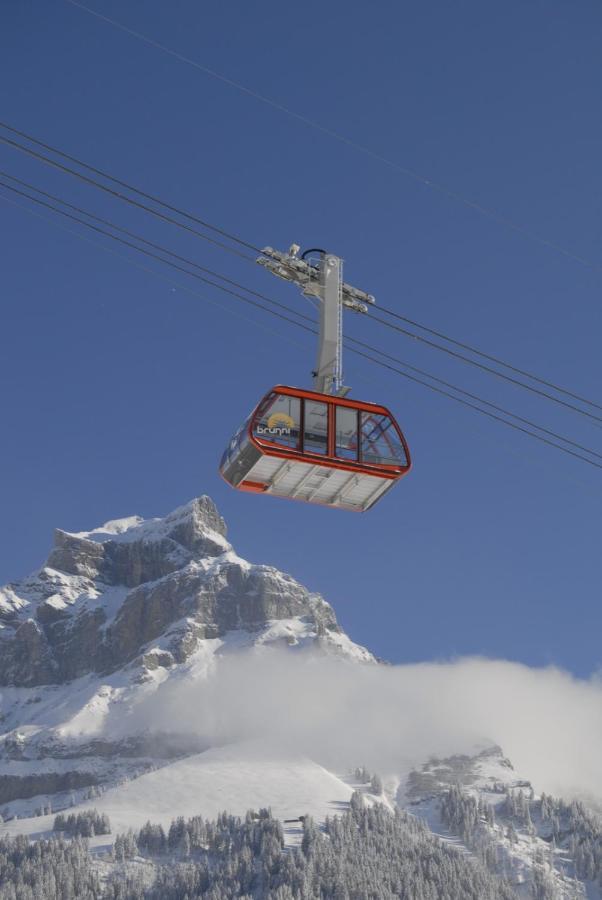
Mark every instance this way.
x=146 y=592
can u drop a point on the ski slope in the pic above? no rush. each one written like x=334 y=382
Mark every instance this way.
x=235 y=778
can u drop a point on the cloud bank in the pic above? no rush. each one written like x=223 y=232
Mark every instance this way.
x=390 y=718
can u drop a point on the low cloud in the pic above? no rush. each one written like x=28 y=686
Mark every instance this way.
x=390 y=718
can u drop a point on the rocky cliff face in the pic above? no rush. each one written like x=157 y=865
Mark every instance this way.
x=143 y=593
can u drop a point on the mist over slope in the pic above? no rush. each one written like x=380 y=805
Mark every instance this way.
x=393 y=717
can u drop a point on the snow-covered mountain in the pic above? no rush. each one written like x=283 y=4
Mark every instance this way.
x=115 y=613
x=120 y=615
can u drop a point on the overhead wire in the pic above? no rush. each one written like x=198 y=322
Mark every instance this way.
x=313 y=331
x=117 y=194
x=234 y=238
x=124 y=184
x=466 y=393
x=483 y=355
x=432 y=387
x=485 y=368
x=150 y=254
x=147 y=269
x=143 y=240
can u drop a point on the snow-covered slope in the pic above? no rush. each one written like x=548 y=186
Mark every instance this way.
x=232 y=778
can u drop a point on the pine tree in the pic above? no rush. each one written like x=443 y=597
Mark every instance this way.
x=376 y=785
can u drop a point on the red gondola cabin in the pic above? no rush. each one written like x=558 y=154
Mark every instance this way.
x=317 y=447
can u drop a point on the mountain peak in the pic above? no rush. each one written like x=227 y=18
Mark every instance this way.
x=197 y=517
x=132 y=550
x=149 y=593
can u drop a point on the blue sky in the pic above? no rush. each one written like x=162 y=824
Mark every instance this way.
x=118 y=389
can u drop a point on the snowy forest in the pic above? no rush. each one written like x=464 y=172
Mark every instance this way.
x=367 y=853
x=570 y=826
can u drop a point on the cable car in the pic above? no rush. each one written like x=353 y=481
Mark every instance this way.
x=306 y=445
x=318 y=445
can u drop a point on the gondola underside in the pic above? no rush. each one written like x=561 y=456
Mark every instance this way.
x=299 y=480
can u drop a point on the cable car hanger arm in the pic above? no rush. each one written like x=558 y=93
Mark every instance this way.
x=324 y=281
